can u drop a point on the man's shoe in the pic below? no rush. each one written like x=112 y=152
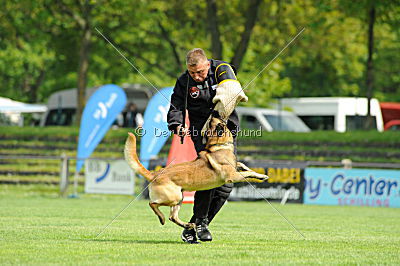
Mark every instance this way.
x=189 y=236
x=202 y=230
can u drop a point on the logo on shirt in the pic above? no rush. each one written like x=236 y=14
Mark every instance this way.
x=194 y=92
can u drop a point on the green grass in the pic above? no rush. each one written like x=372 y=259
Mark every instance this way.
x=38 y=227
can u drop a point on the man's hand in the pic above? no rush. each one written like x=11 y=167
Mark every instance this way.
x=182 y=131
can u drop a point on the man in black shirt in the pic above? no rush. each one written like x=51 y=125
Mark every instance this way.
x=196 y=89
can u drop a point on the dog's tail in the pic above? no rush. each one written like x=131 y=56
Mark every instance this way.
x=132 y=158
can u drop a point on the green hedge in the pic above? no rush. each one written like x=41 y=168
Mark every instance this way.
x=368 y=146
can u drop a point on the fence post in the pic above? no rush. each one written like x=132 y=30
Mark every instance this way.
x=347 y=163
x=64 y=173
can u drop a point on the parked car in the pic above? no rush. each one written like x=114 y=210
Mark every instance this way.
x=270 y=120
x=334 y=113
x=393 y=125
x=391 y=115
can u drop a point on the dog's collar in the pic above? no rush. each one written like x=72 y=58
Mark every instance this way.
x=222 y=144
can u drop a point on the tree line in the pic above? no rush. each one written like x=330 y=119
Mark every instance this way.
x=347 y=48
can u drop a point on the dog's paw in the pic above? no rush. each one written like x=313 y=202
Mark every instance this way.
x=262 y=177
x=257 y=178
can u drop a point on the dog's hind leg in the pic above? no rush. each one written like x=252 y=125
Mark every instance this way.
x=173 y=217
x=154 y=206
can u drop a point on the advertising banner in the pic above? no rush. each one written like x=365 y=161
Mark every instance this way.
x=100 y=112
x=286 y=181
x=114 y=177
x=155 y=128
x=359 y=187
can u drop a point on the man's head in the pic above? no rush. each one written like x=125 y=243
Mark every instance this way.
x=197 y=64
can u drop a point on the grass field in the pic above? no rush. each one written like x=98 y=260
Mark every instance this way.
x=38 y=227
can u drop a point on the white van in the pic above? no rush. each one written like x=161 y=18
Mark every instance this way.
x=62 y=104
x=269 y=120
x=333 y=113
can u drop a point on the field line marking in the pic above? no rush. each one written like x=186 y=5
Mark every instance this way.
x=129 y=62
x=281 y=214
x=270 y=62
x=119 y=214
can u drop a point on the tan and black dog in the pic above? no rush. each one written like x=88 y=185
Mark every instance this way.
x=214 y=167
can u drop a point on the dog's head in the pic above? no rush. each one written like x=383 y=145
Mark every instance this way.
x=218 y=133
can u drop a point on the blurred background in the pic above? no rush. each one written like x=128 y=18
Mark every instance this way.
x=53 y=57
x=348 y=48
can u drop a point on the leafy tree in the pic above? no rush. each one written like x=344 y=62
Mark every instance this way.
x=25 y=60
x=52 y=45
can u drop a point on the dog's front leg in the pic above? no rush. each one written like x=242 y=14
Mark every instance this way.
x=250 y=176
x=217 y=167
x=242 y=167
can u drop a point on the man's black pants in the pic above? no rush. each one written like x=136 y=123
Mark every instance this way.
x=207 y=203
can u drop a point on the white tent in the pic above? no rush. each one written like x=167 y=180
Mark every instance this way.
x=10 y=106
x=12 y=110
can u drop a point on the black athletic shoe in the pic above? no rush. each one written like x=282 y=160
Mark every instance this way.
x=189 y=236
x=202 y=230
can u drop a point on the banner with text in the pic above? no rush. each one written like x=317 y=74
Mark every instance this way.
x=100 y=112
x=286 y=181
x=155 y=128
x=359 y=187
x=115 y=177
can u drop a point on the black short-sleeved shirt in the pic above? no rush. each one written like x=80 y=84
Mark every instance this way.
x=199 y=100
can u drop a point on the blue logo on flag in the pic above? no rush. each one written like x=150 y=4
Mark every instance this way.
x=155 y=125
x=100 y=112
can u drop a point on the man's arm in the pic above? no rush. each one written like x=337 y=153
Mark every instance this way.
x=174 y=116
x=229 y=91
x=224 y=72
